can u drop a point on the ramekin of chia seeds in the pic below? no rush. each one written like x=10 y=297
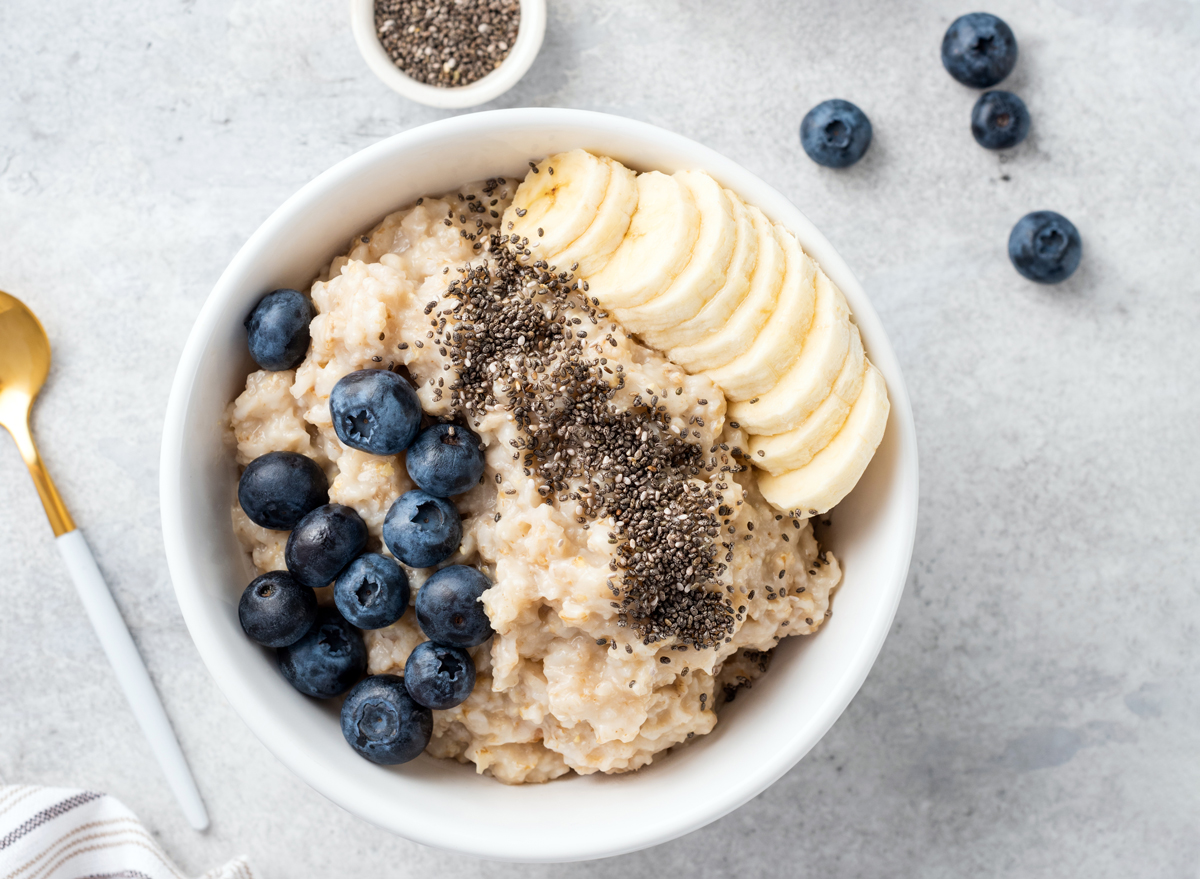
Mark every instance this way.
x=450 y=54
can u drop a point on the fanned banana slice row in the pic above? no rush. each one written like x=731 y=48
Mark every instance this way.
x=714 y=313
x=561 y=200
x=705 y=272
x=750 y=316
x=590 y=252
x=778 y=343
x=657 y=247
x=826 y=479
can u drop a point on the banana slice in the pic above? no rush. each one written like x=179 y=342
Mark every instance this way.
x=809 y=379
x=751 y=314
x=561 y=200
x=656 y=248
x=705 y=272
x=836 y=469
x=717 y=310
x=795 y=448
x=591 y=250
x=760 y=366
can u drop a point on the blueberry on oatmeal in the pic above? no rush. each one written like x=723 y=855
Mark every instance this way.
x=328 y=660
x=375 y=411
x=445 y=459
x=275 y=610
x=449 y=610
x=422 y=530
x=372 y=592
x=323 y=543
x=383 y=723
x=277 y=329
x=279 y=489
x=439 y=676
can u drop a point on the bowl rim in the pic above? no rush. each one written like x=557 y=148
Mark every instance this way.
x=236 y=684
x=520 y=58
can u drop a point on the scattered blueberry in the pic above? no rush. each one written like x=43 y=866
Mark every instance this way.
x=279 y=489
x=1045 y=247
x=372 y=592
x=979 y=50
x=835 y=133
x=277 y=329
x=327 y=660
x=445 y=459
x=439 y=676
x=383 y=723
x=376 y=411
x=999 y=120
x=422 y=530
x=276 y=611
x=449 y=610
x=323 y=543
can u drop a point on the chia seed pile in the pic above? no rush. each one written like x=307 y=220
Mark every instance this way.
x=447 y=43
x=514 y=329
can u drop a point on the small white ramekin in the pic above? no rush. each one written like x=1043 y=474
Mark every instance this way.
x=496 y=83
x=439 y=802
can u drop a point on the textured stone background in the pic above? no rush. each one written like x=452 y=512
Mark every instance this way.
x=1036 y=709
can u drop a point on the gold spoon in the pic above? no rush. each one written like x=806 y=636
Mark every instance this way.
x=24 y=363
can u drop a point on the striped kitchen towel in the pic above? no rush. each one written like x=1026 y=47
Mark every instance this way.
x=56 y=833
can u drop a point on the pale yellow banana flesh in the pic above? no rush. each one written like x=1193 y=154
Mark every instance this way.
x=656 y=248
x=822 y=483
x=796 y=447
x=561 y=200
x=704 y=274
x=714 y=313
x=590 y=252
x=750 y=316
x=778 y=343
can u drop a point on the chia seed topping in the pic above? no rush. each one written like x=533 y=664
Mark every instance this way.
x=447 y=43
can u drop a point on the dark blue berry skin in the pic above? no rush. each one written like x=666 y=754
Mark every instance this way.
x=422 y=530
x=279 y=489
x=329 y=658
x=372 y=592
x=276 y=611
x=999 y=120
x=445 y=460
x=439 y=676
x=383 y=723
x=1045 y=247
x=979 y=50
x=323 y=543
x=376 y=411
x=449 y=610
x=277 y=329
x=835 y=133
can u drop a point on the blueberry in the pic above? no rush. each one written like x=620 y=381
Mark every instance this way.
x=276 y=611
x=999 y=120
x=277 y=329
x=383 y=723
x=372 y=592
x=376 y=411
x=835 y=133
x=422 y=530
x=323 y=543
x=439 y=676
x=449 y=610
x=279 y=489
x=1045 y=247
x=979 y=50
x=445 y=459
x=327 y=660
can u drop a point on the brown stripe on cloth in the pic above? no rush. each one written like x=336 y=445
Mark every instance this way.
x=48 y=815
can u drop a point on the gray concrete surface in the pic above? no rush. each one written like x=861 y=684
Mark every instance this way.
x=1036 y=709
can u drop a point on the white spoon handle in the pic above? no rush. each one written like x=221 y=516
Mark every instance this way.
x=131 y=673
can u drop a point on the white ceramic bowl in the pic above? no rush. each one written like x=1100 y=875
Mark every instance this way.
x=440 y=803
x=529 y=41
